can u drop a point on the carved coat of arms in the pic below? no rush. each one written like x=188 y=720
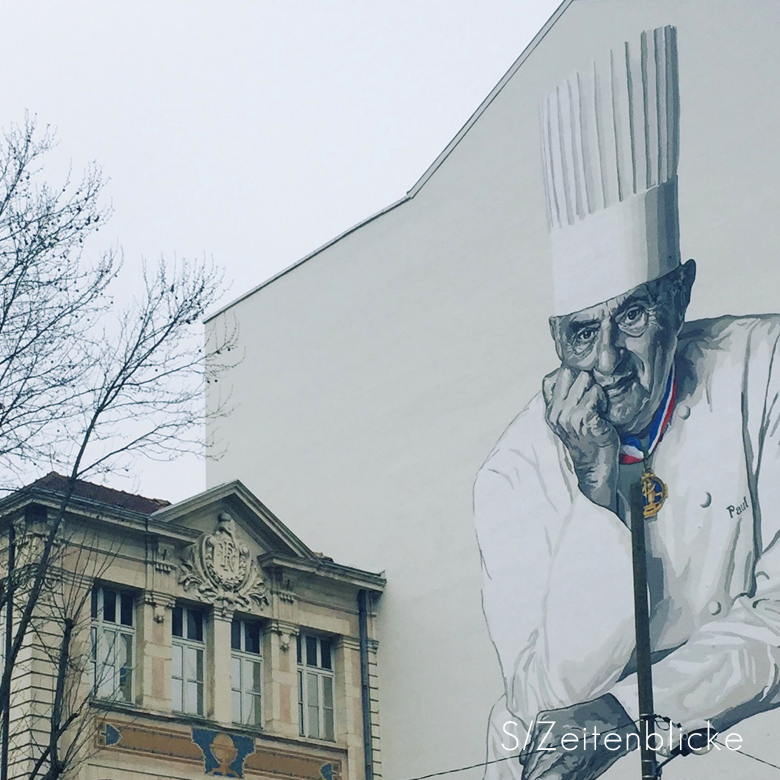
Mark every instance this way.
x=221 y=569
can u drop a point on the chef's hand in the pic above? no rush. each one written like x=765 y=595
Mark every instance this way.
x=574 y=757
x=575 y=412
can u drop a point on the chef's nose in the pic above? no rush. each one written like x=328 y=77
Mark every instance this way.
x=610 y=351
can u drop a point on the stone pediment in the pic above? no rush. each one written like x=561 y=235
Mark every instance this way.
x=213 y=545
x=259 y=529
x=225 y=547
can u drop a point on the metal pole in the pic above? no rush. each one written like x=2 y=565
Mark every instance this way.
x=365 y=687
x=644 y=672
x=9 y=627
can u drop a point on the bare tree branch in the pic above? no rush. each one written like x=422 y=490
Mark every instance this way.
x=84 y=387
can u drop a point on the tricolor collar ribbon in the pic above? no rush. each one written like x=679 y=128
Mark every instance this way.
x=634 y=449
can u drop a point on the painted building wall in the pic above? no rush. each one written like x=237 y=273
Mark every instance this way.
x=379 y=373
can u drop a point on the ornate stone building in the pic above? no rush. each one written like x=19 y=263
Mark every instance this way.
x=213 y=641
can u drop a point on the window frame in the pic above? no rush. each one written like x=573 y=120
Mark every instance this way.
x=186 y=645
x=120 y=678
x=324 y=680
x=247 y=696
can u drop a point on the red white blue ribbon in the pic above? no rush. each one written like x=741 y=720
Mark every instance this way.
x=634 y=449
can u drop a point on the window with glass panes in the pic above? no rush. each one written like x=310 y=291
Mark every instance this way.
x=113 y=643
x=247 y=672
x=189 y=650
x=315 y=687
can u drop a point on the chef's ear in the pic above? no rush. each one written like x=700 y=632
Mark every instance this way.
x=689 y=277
x=683 y=288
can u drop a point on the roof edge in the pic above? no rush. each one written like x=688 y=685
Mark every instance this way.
x=460 y=135
x=76 y=504
x=319 y=249
x=428 y=173
x=238 y=489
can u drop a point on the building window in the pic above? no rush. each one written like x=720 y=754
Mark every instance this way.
x=188 y=660
x=247 y=672
x=315 y=687
x=113 y=642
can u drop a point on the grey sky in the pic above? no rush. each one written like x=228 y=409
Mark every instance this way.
x=253 y=132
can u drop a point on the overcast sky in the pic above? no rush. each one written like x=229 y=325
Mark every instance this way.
x=252 y=132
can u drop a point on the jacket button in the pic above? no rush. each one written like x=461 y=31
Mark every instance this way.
x=714 y=607
x=683 y=412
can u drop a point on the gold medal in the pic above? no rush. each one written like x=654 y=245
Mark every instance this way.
x=654 y=493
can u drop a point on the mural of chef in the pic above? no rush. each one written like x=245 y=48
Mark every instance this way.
x=698 y=402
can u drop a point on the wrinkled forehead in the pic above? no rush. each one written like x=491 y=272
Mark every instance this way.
x=609 y=308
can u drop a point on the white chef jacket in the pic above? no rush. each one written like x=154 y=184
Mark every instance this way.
x=557 y=592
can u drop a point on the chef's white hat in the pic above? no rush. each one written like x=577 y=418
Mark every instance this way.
x=610 y=138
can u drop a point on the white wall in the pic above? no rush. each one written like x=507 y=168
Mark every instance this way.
x=379 y=373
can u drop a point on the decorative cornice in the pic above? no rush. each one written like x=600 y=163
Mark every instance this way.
x=163 y=557
x=282 y=587
x=286 y=632
x=349 y=643
x=325 y=568
x=159 y=602
x=157 y=598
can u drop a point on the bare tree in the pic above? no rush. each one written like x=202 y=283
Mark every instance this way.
x=84 y=386
x=56 y=733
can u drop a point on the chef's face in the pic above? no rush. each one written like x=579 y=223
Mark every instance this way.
x=627 y=344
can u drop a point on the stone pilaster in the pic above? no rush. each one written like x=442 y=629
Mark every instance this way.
x=219 y=666
x=349 y=715
x=280 y=671
x=153 y=650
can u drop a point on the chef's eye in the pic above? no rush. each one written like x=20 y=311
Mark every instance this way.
x=584 y=337
x=633 y=320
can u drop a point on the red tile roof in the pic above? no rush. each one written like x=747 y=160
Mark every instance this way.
x=105 y=495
